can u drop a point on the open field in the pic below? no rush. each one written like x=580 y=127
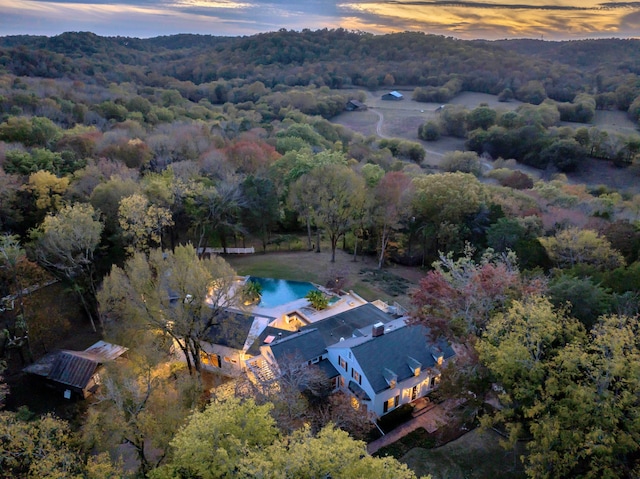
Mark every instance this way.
x=401 y=119
x=476 y=455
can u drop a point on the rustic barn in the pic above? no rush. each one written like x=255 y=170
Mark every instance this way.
x=76 y=373
x=393 y=96
x=355 y=105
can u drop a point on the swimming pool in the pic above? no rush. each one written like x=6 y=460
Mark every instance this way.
x=276 y=292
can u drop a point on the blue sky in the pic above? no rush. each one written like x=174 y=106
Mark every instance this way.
x=491 y=19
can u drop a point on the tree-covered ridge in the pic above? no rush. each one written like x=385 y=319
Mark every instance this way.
x=585 y=54
x=334 y=58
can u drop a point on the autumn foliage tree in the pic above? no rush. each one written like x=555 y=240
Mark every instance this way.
x=175 y=294
x=459 y=296
x=65 y=244
x=574 y=394
x=238 y=439
x=574 y=246
x=393 y=195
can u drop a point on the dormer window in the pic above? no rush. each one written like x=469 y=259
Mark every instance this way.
x=438 y=356
x=414 y=365
x=390 y=377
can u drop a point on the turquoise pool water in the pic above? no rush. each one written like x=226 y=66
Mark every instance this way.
x=280 y=291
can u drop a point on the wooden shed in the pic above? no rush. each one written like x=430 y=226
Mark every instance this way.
x=76 y=373
x=355 y=105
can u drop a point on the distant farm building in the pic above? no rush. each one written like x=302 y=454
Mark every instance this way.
x=393 y=96
x=355 y=105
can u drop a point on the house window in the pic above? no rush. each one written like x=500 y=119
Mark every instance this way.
x=335 y=382
x=343 y=363
x=215 y=360
x=342 y=381
x=356 y=376
x=391 y=403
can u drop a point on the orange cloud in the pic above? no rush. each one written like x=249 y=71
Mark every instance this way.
x=496 y=19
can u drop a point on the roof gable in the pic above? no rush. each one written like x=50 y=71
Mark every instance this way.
x=397 y=353
x=75 y=368
x=306 y=344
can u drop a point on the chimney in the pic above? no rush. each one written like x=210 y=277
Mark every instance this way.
x=378 y=330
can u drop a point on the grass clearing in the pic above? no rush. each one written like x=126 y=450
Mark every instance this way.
x=476 y=455
x=401 y=119
x=393 y=283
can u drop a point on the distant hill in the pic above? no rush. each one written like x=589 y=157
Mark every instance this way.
x=333 y=58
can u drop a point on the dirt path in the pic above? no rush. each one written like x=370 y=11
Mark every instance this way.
x=379 y=124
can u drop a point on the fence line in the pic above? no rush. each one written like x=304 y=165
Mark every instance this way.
x=209 y=251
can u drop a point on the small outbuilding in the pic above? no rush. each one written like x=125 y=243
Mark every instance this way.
x=355 y=105
x=393 y=96
x=76 y=373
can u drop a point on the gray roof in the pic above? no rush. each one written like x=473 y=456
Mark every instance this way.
x=277 y=333
x=396 y=352
x=232 y=330
x=346 y=324
x=307 y=344
x=328 y=369
x=356 y=103
x=75 y=368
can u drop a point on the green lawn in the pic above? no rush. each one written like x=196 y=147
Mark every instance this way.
x=362 y=276
x=476 y=455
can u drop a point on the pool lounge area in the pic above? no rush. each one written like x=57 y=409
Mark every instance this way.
x=285 y=302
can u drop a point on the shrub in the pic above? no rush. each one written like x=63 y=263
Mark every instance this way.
x=395 y=418
x=518 y=181
x=251 y=292
x=464 y=161
x=429 y=131
x=317 y=299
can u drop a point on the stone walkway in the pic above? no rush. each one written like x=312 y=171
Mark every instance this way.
x=431 y=420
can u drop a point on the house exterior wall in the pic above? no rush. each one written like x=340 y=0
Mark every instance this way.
x=334 y=355
x=403 y=389
x=222 y=359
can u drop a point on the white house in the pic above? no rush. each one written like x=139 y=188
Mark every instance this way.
x=393 y=365
x=379 y=359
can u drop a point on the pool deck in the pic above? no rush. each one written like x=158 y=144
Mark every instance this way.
x=302 y=306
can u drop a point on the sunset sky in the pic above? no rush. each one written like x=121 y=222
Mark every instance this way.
x=491 y=19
